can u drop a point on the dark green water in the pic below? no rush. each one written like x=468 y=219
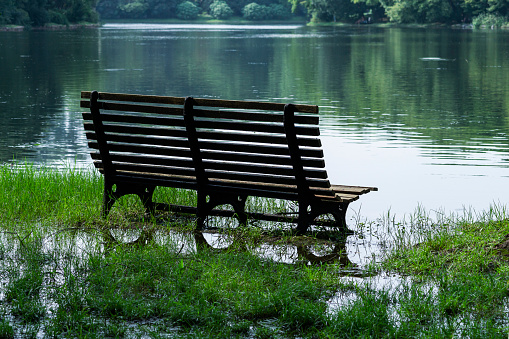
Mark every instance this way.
x=421 y=113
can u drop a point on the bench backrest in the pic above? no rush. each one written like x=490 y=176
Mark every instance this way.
x=267 y=149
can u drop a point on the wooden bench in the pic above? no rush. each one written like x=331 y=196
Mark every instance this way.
x=224 y=150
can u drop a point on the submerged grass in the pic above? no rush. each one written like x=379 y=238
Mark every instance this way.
x=67 y=273
x=466 y=264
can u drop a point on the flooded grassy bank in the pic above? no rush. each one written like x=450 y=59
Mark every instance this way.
x=67 y=273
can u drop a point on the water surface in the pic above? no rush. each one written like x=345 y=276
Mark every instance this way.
x=423 y=114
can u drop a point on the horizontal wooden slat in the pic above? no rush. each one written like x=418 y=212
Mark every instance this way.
x=170 y=173
x=208 y=145
x=262 y=149
x=253 y=116
x=142 y=140
x=138 y=119
x=271 y=179
x=202 y=113
x=111 y=106
x=254 y=127
x=256 y=138
x=252 y=187
x=336 y=198
x=173 y=165
x=349 y=197
x=353 y=189
x=230 y=157
x=149 y=131
x=213 y=145
x=151 y=167
x=208 y=125
x=161 y=151
x=136 y=98
x=227 y=159
x=254 y=168
x=267 y=160
x=264 y=189
x=130 y=178
x=218 y=166
x=134 y=175
x=257 y=105
x=206 y=135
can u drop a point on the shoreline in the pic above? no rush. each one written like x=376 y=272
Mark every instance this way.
x=50 y=27
x=57 y=27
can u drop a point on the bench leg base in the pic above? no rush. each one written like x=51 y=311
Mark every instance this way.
x=206 y=203
x=308 y=212
x=114 y=191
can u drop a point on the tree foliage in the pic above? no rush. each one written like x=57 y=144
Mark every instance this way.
x=187 y=11
x=278 y=11
x=489 y=20
x=41 y=12
x=439 y=11
x=220 y=10
x=339 y=10
x=137 y=9
x=404 y=11
x=256 y=12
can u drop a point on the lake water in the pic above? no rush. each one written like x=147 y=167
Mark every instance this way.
x=423 y=114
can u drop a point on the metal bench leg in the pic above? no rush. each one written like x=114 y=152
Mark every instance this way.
x=239 y=206
x=145 y=194
x=109 y=198
x=238 y=202
x=308 y=212
x=113 y=192
x=341 y=217
x=201 y=210
x=304 y=218
x=336 y=209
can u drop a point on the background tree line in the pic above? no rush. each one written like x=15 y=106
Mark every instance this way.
x=440 y=11
x=489 y=12
x=40 y=12
x=190 y=9
x=479 y=12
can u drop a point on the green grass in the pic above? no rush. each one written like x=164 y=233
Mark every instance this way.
x=67 y=273
x=30 y=193
x=468 y=268
x=465 y=245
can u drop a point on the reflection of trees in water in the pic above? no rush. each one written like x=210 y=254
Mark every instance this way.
x=41 y=72
x=38 y=86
